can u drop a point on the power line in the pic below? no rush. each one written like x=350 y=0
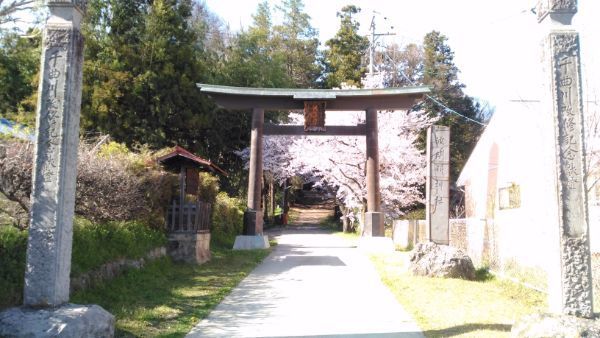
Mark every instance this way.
x=446 y=108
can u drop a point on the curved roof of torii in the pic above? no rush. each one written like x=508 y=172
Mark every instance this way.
x=293 y=99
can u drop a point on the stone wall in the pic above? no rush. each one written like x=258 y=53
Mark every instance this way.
x=407 y=233
x=458 y=234
x=111 y=270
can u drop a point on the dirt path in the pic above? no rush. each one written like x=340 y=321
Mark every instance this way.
x=312 y=209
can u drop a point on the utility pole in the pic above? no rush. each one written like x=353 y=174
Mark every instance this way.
x=373 y=39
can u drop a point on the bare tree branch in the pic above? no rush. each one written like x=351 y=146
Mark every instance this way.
x=7 y=9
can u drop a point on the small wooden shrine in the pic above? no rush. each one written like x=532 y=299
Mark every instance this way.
x=187 y=213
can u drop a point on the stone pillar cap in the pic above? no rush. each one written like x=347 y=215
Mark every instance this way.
x=80 y=5
x=559 y=11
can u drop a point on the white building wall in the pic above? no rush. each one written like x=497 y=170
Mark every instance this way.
x=523 y=235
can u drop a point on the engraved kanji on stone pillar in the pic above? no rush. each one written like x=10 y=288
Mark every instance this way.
x=54 y=173
x=564 y=72
x=437 y=184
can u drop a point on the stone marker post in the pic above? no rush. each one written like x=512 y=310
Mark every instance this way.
x=53 y=192
x=46 y=291
x=571 y=293
x=437 y=184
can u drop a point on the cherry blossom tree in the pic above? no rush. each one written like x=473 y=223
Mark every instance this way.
x=340 y=162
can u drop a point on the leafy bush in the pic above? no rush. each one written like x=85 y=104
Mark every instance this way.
x=414 y=214
x=13 y=246
x=93 y=245
x=227 y=220
x=208 y=188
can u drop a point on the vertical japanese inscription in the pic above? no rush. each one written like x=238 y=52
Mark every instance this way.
x=51 y=112
x=438 y=147
x=576 y=282
x=314 y=115
x=46 y=276
x=568 y=115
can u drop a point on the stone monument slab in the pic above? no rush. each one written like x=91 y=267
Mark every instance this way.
x=437 y=184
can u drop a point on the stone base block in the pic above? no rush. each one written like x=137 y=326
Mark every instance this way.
x=400 y=234
x=189 y=247
x=68 y=320
x=376 y=244
x=374 y=224
x=253 y=222
x=251 y=242
x=555 y=325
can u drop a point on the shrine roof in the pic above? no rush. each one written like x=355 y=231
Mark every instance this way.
x=180 y=155
x=292 y=98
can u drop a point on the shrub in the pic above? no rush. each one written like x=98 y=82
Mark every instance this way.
x=113 y=184
x=208 y=188
x=227 y=220
x=13 y=246
x=16 y=165
x=93 y=245
x=97 y=243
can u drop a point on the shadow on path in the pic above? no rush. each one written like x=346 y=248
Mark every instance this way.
x=466 y=328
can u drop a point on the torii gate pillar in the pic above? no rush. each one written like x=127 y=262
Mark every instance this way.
x=374 y=218
x=252 y=237
x=253 y=220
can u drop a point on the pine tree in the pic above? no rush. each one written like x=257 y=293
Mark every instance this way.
x=19 y=69
x=440 y=72
x=297 y=44
x=346 y=49
x=255 y=61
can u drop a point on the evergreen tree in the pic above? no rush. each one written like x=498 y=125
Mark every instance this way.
x=142 y=73
x=297 y=44
x=255 y=61
x=19 y=68
x=346 y=49
x=402 y=66
x=440 y=72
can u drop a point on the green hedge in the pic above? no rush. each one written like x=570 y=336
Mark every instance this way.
x=93 y=245
x=227 y=220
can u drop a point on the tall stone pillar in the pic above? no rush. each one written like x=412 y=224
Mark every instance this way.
x=54 y=175
x=571 y=288
x=437 y=184
x=374 y=218
x=46 y=293
x=253 y=238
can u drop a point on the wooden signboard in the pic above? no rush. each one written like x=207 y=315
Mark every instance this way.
x=191 y=181
x=314 y=115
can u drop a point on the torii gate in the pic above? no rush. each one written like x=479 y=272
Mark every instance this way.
x=314 y=102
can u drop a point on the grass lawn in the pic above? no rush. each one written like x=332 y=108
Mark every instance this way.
x=457 y=308
x=167 y=299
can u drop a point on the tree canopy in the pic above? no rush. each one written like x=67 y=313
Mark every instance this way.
x=343 y=58
x=143 y=59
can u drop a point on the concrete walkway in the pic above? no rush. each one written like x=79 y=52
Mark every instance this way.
x=312 y=284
